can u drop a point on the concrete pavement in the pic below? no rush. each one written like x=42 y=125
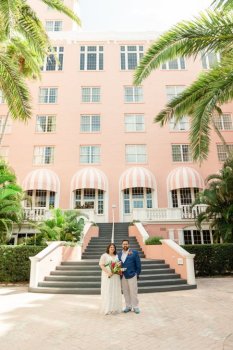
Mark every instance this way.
x=200 y=319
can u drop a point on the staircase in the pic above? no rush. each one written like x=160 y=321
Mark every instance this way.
x=84 y=277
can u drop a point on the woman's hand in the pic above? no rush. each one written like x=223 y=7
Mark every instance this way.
x=110 y=274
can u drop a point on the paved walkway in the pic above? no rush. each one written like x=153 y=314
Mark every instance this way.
x=200 y=319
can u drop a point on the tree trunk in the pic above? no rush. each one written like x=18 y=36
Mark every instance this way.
x=4 y=128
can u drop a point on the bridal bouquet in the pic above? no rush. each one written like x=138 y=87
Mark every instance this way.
x=116 y=267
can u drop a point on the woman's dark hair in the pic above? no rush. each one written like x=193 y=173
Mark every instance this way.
x=107 y=250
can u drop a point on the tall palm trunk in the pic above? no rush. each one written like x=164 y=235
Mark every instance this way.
x=4 y=128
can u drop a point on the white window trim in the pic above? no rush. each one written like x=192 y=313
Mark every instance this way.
x=91 y=94
x=201 y=232
x=49 y=88
x=126 y=52
x=219 y=119
x=90 y=154
x=53 y=27
x=41 y=156
x=179 y=65
x=97 y=52
x=181 y=152
x=90 y=124
x=56 y=54
x=223 y=151
x=177 y=127
x=47 y=116
x=207 y=60
x=133 y=94
x=136 y=154
x=134 y=115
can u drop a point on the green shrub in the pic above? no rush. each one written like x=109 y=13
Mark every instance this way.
x=154 y=240
x=15 y=263
x=212 y=259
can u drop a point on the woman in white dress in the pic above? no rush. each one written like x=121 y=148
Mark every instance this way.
x=111 y=299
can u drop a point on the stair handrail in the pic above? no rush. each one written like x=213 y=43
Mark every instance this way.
x=113 y=207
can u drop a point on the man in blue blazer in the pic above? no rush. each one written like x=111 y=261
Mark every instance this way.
x=131 y=262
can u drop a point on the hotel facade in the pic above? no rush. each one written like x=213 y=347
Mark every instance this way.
x=92 y=143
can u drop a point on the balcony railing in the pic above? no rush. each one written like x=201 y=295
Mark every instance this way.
x=41 y=214
x=186 y=212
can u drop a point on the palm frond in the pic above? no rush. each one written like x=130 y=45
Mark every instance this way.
x=59 y=6
x=209 y=32
x=14 y=88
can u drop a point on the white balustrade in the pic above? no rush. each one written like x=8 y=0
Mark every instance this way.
x=168 y=214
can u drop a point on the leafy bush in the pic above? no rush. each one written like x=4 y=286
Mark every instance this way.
x=212 y=259
x=154 y=240
x=15 y=263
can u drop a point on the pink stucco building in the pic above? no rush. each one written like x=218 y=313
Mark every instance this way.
x=92 y=143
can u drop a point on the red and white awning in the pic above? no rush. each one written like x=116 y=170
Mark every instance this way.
x=183 y=177
x=89 y=178
x=41 y=179
x=137 y=177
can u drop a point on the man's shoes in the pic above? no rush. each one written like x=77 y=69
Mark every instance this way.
x=127 y=309
x=136 y=310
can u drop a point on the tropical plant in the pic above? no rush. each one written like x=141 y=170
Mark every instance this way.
x=23 y=47
x=11 y=196
x=62 y=226
x=219 y=200
x=210 y=32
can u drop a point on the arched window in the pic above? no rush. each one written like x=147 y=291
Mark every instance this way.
x=137 y=198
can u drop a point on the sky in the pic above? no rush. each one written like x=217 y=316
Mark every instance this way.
x=137 y=15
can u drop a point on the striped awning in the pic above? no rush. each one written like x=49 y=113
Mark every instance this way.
x=89 y=178
x=41 y=179
x=183 y=177
x=137 y=177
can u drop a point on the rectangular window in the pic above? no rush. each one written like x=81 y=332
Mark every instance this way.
x=100 y=202
x=89 y=154
x=2 y=99
x=224 y=122
x=181 y=153
x=222 y=154
x=126 y=201
x=5 y=124
x=187 y=237
x=91 y=94
x=43 y=155
x=135 y=153
x=45 y=123
x=185 y=196
x=48 y=95
x=90 y=123
x=53 y=26
x=209 y=59
x=173 y=91
x=133 y=94
x=91 y=58
x=54 y=61
x=40 y=198
x=4 y=152
x=134 y=122
x=131 y=56
x=181 y=125
x=176 y=64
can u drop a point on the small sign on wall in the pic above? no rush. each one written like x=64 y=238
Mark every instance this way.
x=180 y=261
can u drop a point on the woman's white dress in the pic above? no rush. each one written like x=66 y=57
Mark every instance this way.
x=111 y=299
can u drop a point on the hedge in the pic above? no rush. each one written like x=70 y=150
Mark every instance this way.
x=153 y=240
x=212 y=259
x=15 y=263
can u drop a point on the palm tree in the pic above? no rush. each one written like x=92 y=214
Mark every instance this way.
x=219 y=200
x=62 y=226
x=23 y=46
x=211 y=31
x=11 y=196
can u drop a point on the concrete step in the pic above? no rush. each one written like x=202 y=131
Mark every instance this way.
x=98 y=278
x=144 y=262
x=96 y=291
x=97 y=284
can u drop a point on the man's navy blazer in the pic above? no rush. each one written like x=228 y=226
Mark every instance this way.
x=132 y=264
